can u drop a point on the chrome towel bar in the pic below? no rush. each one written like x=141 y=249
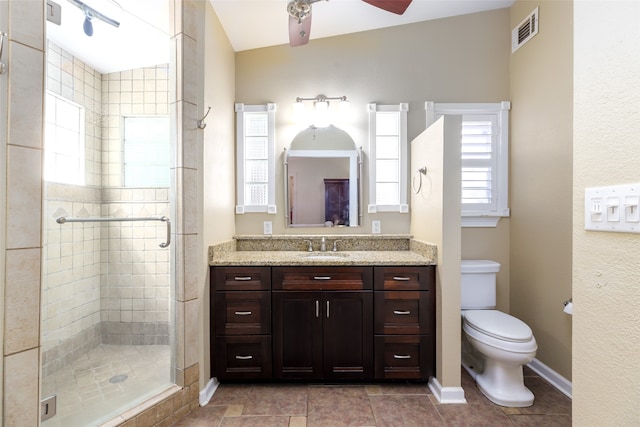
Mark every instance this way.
x=62 y=220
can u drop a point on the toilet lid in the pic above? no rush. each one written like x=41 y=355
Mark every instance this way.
x=498 y=325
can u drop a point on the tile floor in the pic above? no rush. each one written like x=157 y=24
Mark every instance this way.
x=383 y=404
x=93 y=389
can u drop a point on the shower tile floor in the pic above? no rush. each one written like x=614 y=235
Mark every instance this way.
x=105 y=382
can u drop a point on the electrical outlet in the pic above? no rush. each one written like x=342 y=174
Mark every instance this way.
x=267 y=227
x=375 y=226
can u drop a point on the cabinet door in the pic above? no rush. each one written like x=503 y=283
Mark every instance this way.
x=404 y=357
x=348 y=335
x=297 y=335
x=243 y=313
x=403 y=312
x=243 y=357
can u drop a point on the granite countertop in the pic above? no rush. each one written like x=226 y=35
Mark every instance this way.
x=359 y=250
x=301 y=258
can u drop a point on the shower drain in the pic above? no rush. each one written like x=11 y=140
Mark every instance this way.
x=118 y=378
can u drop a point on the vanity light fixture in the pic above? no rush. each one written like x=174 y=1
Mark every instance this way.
x=321 y=102
x=320 y=114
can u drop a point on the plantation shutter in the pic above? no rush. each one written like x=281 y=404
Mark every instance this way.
x=479 y=164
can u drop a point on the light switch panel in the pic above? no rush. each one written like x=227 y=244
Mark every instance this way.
x=614 y=208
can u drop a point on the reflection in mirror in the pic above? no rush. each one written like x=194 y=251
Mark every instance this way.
x=322 y=185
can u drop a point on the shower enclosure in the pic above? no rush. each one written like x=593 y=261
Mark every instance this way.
x=107 y=326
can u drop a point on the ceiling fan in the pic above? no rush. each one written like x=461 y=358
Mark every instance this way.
x=300 y=16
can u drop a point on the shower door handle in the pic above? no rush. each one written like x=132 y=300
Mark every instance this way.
x=168 y=242
x=3 y=67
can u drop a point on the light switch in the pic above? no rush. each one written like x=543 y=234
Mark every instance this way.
x=632 y=208
x=615 y=208
x=596 y=209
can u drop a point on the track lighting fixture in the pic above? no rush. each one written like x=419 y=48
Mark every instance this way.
x=90 y=13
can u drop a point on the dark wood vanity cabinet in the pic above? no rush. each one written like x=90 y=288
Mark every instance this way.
x=322 y=322
x=404 y=322
x=241 y=321
x=317 y=322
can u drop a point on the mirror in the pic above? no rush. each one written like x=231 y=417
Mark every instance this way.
x=322 y=179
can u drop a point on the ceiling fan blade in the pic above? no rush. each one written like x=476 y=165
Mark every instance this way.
x=299 y=31
x=394 y=6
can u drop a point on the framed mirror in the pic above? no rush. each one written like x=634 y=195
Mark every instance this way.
x=322 y=169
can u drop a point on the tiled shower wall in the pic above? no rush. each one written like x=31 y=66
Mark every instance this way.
x=135 y=288
x=104 y=283
x=71 y=271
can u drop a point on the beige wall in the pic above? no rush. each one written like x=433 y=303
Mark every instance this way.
x=541 y=180
x=606 y=278
x=460 y=59
x=435 y=219
x=219 y=162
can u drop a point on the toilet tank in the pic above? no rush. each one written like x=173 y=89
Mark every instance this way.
x=478 y=284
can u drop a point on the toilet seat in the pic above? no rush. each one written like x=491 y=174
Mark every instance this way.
x=498 y=325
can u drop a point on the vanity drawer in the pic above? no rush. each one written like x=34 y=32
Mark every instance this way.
x=243 y=357
x=322 y=278
x=241 y=278
x=402 y=312
x=404 y=357
x=411 y=278
x=243 y=313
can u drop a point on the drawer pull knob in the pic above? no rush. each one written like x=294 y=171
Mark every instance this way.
x=401 y=279
x=242 y=279
x=401 y=313
x=321 y=277
x=242 y=313
x=401 y=356
x=244 y=357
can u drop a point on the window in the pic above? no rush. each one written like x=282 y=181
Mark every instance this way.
x=146 y=151
x=64 y=141
x=388 y=154
x=255 y=144
x=484 y=151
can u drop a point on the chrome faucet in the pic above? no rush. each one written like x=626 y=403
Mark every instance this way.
x=335 y=245
x=323 y=244
x=309 y=246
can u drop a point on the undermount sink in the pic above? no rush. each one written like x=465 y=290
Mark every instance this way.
x=322 y=255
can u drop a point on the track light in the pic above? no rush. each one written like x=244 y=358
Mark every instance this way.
x=87 y=26
x=89 y=14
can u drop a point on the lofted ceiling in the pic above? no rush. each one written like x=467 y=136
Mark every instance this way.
x=143 y=36
x=251 y=24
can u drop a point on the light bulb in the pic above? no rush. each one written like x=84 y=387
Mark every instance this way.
x=321 y=105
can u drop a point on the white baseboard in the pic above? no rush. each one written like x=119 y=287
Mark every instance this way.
x=207 y=393
x=555 y=379
x=446 y=395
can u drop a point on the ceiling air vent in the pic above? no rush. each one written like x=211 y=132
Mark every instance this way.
x=524 y=31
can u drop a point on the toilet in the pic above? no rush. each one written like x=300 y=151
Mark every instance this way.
x=495 y=345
